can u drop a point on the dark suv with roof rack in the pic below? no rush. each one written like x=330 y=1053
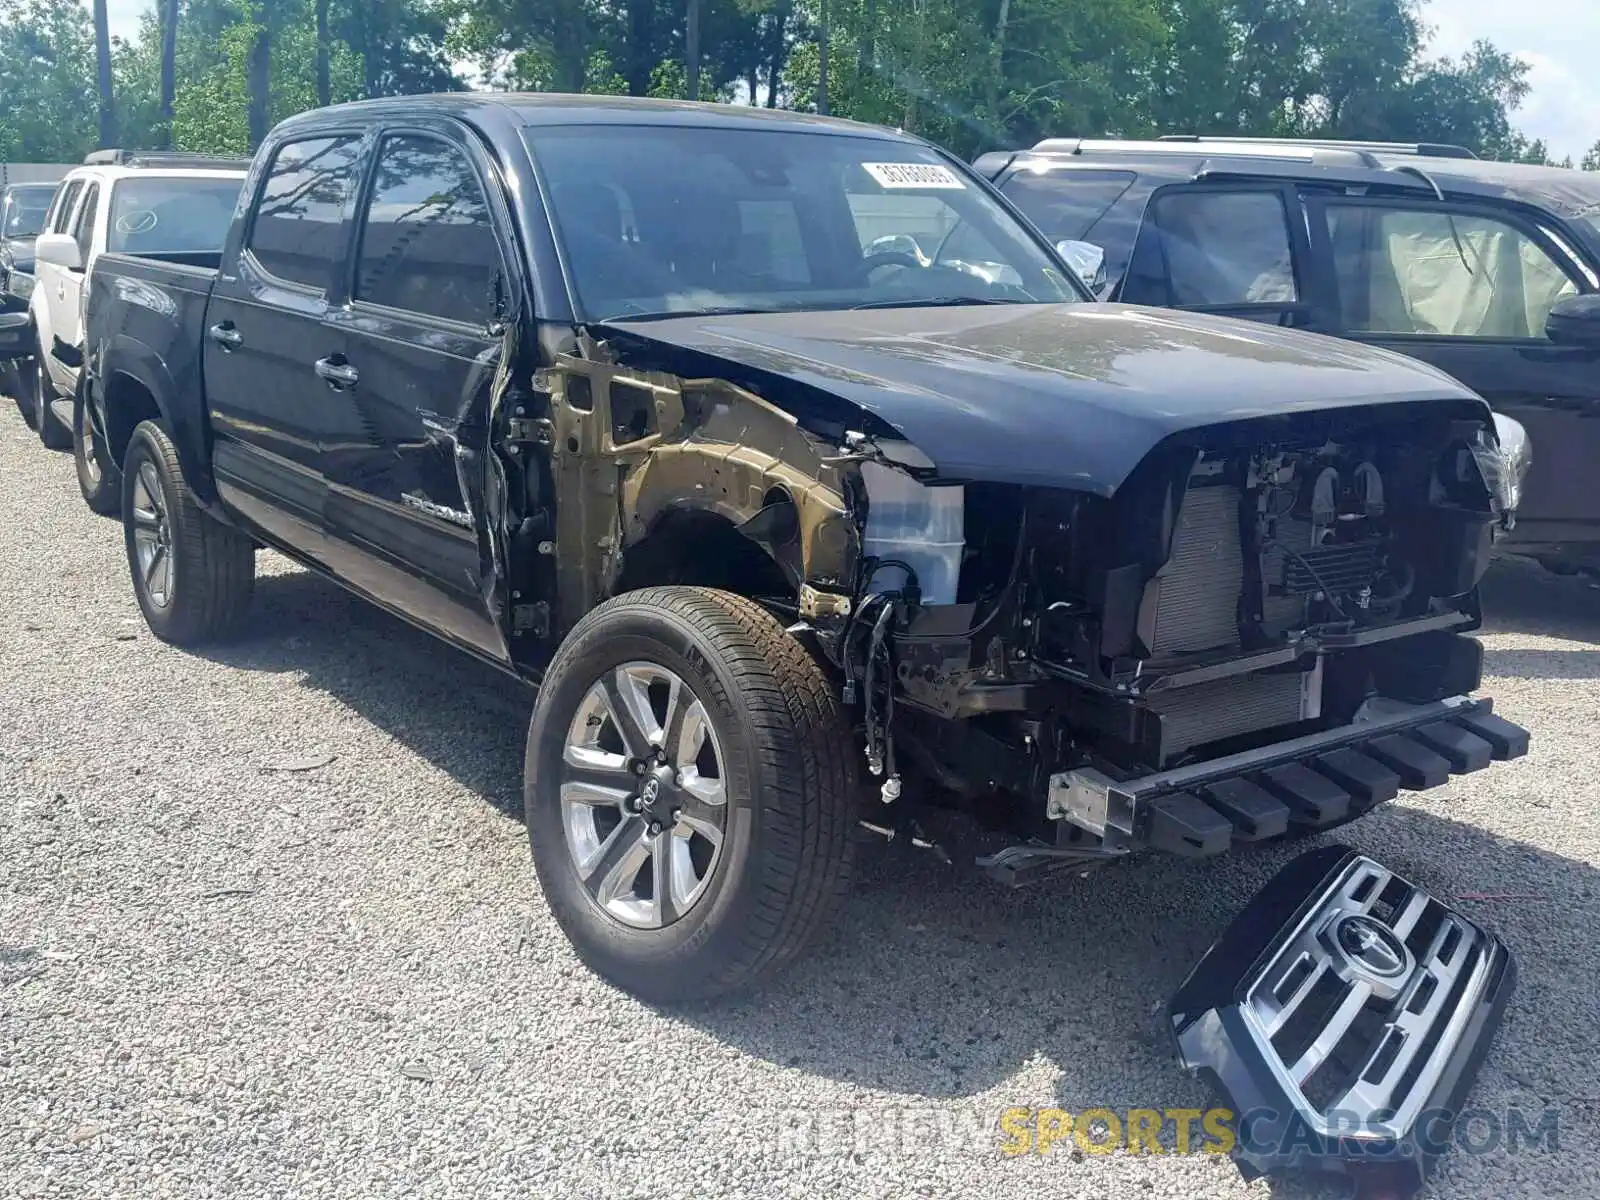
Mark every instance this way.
x=1487 y=270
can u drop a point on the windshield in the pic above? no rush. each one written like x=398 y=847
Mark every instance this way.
x=22 y=213
x=658 y=220
x=173 y=215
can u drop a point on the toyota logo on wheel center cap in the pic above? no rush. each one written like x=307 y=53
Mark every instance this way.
x=1372 y=950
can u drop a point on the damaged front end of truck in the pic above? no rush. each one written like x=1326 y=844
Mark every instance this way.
x=1198 y=632
x=1183 y=630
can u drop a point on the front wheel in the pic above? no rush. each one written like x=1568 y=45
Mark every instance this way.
x=689 y=792
x=192 y=575
x=99 y=478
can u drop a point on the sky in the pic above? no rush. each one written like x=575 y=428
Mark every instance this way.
x=1558 y=39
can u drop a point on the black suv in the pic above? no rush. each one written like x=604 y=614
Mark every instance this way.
x=1487 y=270
x=22 y=210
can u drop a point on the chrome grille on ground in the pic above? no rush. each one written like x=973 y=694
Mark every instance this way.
x=1354 y=1009
x=1344 y=1015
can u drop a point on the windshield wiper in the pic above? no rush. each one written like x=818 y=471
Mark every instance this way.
x=934 y=302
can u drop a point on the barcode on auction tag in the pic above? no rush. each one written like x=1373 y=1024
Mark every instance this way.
x=913 y=175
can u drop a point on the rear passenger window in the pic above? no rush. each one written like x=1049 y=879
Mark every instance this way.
x=1436 y=273
x=298 y=227
x=83 y=227
x=65 y=199
x=428 y=245
x=1065 y=205
x=1213 y=248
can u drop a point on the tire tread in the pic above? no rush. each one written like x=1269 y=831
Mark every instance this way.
x=214 y=572
x=805 y=757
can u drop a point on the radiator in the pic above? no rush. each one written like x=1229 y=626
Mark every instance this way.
x=1209 y=712
x=1196 y=595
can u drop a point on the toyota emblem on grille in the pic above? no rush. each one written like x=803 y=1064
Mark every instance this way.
x=1372 y=950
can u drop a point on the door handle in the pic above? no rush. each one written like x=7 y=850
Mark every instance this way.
x=340 y=375
x=226 y=336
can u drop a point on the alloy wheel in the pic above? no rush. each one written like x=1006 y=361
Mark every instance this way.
x=643 y=795
x=152 y=536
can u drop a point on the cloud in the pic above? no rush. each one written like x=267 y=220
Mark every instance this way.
x=123 y=16
x=1560 y=42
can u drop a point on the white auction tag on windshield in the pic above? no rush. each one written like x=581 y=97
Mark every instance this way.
x=913 y=175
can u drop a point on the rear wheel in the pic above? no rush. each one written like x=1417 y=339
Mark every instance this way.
x=99 y=479
x=52 y=432
x=192 y=575
x=689 y=793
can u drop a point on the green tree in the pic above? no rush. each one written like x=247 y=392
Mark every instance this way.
x=47 y=81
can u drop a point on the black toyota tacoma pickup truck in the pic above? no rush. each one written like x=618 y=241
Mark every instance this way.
x=814 y=492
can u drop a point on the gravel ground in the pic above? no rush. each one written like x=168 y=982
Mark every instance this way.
x=219 y=976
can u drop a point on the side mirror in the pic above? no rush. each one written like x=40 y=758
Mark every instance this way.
x=58 y=249
x=1575 y=321
x=1088 y=260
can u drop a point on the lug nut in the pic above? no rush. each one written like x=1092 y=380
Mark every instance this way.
x=655 y=828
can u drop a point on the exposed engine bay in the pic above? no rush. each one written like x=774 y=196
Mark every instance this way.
x=1227 y=598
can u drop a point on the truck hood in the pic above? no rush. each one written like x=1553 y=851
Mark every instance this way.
x=1062 y=395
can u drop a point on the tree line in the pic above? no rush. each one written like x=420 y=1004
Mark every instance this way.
x=214 y=75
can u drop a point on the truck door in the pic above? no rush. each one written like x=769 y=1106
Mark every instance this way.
x=419 y=352
x=67 y=316
x=1467 y=287
x=266 y=332
x=50 y=281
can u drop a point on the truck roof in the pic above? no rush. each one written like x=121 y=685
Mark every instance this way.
x=110 y=174
x=554 y=108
